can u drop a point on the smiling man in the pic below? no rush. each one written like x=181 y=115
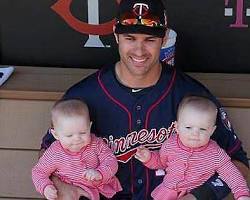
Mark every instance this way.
x=134 y=102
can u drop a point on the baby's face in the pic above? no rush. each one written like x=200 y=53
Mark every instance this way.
x=73 y=132
x=195 y=127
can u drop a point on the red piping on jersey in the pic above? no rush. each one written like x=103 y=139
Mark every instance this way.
x=148 y=115
x=132 y=174
x=129 y=120
x=147 y=182
x=115 y=100
x=160 y=99
x=234 y=148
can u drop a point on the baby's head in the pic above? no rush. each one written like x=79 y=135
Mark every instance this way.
x=71 y=124
x=196 y=118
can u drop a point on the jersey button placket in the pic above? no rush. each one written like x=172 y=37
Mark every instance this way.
x=138 y=109
x=138 y=122
x=139 y=181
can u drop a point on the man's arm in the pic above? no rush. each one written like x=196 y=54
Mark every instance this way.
x=68 y=191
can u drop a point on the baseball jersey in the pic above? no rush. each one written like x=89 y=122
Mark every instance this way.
x=69 y=167
x=127 y=118
x=187 y=168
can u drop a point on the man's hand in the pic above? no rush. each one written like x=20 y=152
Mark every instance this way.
x=188 y=197
x=143 y=154
x=244 y=198
x=92 y=175
x=242 y=168
x=68 y=192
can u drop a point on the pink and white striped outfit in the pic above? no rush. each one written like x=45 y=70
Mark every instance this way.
x=187 y=168
x=69 y=167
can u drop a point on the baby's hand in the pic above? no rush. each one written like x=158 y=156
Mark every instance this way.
x=143 y=154
x=92 y=175
x=50 y=192
x=244 y=198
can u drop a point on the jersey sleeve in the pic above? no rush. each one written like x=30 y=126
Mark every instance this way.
x=47 y=140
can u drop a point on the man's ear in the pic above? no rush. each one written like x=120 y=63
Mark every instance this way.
x=90 y=124
x=165 y=39
x=116 y=36
x=53 y=132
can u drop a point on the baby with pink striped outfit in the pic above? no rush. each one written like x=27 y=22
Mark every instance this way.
x=77 y=157
x=190 y=157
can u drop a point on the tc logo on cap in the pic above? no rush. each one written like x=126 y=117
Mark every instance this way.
x=140 y=9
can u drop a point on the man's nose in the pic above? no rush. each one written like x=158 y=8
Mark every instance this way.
x=140 y=48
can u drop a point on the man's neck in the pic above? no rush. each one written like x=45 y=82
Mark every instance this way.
x=137 y=81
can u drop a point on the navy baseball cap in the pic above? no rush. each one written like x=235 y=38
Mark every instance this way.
x=141 y=16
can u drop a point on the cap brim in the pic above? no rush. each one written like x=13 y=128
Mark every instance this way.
x=155 y=31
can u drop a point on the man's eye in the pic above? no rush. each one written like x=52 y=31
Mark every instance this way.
x=150 y=40
x=82 y=133
x=129 y=38
x=187 y=127
x=68 y=136
x=203 y=129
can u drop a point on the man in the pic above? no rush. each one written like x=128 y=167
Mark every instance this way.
x=134 y=103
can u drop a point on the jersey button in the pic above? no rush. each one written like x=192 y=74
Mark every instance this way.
x=138 y=121
x=139 y=181
x=138 y=107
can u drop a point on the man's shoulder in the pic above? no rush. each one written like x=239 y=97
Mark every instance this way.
x=85 y=82
x=89 y=83
x=84 y=87
x=187 y=83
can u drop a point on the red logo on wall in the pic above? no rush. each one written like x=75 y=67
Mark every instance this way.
x=239 y=11
x=62 y=8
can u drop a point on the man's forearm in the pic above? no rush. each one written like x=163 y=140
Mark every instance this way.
x=242 y=168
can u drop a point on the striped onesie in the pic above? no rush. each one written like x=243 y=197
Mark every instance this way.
x=187 y=168
x=69 y=167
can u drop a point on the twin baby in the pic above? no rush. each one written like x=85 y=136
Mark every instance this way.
x=188 y=158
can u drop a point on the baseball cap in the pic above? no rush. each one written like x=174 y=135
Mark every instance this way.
x=141 y=16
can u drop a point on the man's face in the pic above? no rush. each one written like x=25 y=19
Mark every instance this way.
x=139 y=54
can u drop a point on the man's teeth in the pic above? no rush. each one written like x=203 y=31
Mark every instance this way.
x=139 y=60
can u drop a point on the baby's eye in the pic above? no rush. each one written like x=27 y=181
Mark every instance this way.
x=82 y=133
x=187 y=127
x=68 y=136
x=203 y=129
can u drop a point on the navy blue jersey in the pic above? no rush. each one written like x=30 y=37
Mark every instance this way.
x=126 y=120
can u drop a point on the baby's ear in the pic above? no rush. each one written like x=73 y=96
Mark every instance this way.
x=213 y=129
x=53 y=132
x=176 y=126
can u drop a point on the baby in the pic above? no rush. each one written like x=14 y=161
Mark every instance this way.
x=77 y=156
x=190 y=157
